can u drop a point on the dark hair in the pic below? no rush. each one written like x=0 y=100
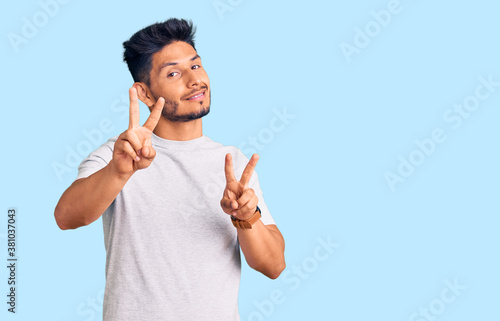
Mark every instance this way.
x=144 y=43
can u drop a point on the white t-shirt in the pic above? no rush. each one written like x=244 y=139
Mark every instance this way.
x=171 y=252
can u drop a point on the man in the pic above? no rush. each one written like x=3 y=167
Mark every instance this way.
x=174 y=217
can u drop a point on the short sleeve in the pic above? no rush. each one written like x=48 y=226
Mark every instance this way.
x=97 y=160
x=242 y=162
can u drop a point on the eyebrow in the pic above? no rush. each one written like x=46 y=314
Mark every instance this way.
x=166 y=64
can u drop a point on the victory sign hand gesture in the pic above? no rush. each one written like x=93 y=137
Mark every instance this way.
x=132 y=149
x=238 y=199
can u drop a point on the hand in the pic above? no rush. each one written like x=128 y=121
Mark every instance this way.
x=238 y=199
x=132 y=149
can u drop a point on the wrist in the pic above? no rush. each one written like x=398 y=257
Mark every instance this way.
x=115 y=173
x=247 y=223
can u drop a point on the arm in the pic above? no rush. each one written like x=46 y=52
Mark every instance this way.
x=87 y=198
x=262 y=245
x=264 y=248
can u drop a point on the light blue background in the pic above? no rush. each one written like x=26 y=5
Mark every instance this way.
x=322 y=173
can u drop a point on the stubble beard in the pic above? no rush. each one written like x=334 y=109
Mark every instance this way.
x=169 y=111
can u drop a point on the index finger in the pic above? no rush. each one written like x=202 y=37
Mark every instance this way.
x=134 y=109
x=155 y=115
x=228 y=169
x=247 y=173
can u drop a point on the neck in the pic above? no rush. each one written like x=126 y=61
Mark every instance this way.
x=179 y=130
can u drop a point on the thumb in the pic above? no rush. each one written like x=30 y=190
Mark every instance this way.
x=225 y=203
x=148 y=152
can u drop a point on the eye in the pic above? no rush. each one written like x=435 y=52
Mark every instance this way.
x=172 y=74
x=196 y=67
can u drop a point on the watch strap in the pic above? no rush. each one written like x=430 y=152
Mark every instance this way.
x=247 y=224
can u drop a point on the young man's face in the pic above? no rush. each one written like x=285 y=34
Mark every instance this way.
x=178 y=76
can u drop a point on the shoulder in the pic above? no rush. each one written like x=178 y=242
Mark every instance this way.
x=239 y=159
x=97 y=159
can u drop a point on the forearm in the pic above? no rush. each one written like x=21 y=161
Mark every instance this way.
x=86 y=199
x=263 y=249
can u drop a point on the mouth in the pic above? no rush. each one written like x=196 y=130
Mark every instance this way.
x=197 y=96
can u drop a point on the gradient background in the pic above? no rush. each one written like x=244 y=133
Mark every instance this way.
x=322 y=170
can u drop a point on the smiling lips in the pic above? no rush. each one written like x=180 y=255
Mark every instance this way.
x=197 y=96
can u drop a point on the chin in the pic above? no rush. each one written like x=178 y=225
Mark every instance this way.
x=187 y=117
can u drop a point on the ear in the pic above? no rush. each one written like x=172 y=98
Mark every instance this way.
x=144 y=94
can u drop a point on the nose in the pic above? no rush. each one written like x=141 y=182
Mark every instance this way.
x=194 y=79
